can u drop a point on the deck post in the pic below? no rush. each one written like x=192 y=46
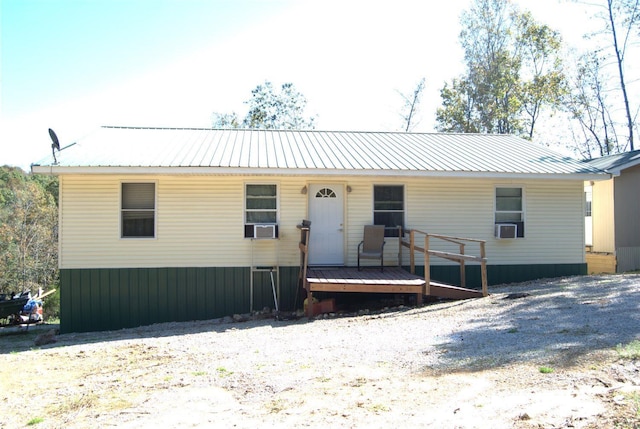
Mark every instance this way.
x=483 y=269
x=463 y=280
x=399 y=246
x=303 y=245
x=412 y=256
x=427 y=266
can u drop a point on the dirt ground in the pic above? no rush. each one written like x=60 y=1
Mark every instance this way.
x=547 y=354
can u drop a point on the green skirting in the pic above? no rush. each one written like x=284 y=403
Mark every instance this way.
x=114 y=298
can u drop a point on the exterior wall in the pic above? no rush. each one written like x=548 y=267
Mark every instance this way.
x=200 y=223
x=554 y=220
x=627 y=200
x=627 y=226
x=602 y=217
x=198 y=266
x=588 y=220
x=200 y=220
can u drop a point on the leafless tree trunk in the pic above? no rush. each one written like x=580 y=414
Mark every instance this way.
x=410 y=107
x=620 y=51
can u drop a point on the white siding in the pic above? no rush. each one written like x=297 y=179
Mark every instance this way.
x=200 y=220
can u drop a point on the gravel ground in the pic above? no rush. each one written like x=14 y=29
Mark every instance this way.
x=453 y=364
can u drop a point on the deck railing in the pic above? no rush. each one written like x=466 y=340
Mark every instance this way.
x=460 y=257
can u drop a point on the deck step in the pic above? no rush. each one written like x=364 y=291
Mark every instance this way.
x=442 y=290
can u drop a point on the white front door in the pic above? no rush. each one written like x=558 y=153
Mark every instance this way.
x=326 y=213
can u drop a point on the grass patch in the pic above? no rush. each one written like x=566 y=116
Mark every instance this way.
x=276 y=406
x=199 y=373
x=35 y=421
x=629 y=351
x=379 y=408
x=634 y=399
x=116 y=404
x=77 y=403
x=223 y=372
x=358 y=382
x=90 y=403
x=546 y=370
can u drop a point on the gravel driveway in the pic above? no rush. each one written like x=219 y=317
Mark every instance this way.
x=453 y=364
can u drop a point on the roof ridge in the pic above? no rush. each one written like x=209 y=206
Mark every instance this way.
x=130 y=127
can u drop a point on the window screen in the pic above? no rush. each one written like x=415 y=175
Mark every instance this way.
x=388 y=207
x=138 y=211
x=509 y=207
x=261 y=207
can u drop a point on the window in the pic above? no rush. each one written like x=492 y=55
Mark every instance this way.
x=138 y=212
x=588 y=196
x=388 y=207
x=509 y=208
x=261 y=207
x=325 y=193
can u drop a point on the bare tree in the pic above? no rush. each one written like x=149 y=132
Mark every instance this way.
x=627 y=12
x=588 y=106
x=620 y=19
x=410 y=107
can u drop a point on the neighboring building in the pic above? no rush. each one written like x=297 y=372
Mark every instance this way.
x=612 y=223
x=158 y=224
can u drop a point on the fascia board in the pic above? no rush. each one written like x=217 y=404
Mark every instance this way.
x=62 y=170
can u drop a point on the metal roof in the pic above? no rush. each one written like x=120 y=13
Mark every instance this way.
x=616 y=163
x=213 y=151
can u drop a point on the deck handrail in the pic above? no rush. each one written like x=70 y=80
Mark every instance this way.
x=461 y=257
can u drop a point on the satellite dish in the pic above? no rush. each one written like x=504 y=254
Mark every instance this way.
x=55 y=145
x=54 y=137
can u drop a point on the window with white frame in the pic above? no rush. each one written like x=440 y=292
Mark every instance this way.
x=261 y=207
x=138 y=210
x=510 y=207
x=388 y=207
x=588 y=197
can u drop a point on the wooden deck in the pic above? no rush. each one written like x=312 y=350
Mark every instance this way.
x=372 y=280
x=392 y=279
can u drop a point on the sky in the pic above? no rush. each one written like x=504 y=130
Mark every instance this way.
x=75 y=65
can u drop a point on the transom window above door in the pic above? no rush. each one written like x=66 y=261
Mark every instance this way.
x=325 y=193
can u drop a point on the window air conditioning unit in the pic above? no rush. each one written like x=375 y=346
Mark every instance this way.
x=264 y=231
x=506 y=230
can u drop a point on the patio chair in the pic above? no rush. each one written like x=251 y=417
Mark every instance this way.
x=372 y=245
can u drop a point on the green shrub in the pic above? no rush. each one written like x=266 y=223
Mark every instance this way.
x=629 y=351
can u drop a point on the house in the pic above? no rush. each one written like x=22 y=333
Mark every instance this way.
x=613 y=209
x=161 y=224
